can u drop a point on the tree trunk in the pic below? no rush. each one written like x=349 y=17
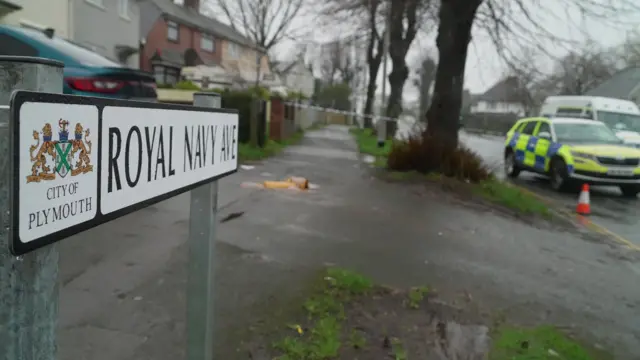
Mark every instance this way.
x=427 y=71
x=374 y=61
x=397 y=78
x=371 y=93
x=454 y=34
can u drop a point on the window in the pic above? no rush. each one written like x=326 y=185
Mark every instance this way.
x=166 y=75
x=585 y=132
x=620 y=121
x=577 y=113
x=234 y=50
x=173 y=31
x=206 y=42
x=529 y=127
x=14 y=47
x=123 y=8
x=544 y=127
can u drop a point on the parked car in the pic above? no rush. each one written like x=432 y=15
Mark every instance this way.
x=572 y=152
x=86 y=72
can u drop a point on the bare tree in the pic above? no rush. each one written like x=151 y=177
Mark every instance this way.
x=423 y=81
x=330 y=58
x=508 y=23
x=405 y=19
x=573 y=74
x=629 y=51
x=266 y=22
x=581 y=71
x=368 y=23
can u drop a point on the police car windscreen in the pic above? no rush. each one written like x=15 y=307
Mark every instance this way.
x=594 y=133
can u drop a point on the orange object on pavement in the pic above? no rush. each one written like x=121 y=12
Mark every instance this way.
x=278 y=185
x=300 y=182
x=584 y=208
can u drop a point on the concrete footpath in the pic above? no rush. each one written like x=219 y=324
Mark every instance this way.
x=123 y=284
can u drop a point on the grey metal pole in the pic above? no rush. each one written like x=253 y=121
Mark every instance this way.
x=202 y=242
x=28 y=284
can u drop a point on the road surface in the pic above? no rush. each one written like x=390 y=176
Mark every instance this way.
x=609 y=209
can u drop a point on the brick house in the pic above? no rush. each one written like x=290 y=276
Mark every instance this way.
x=175 y=35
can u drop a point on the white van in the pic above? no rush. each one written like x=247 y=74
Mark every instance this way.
x=623 y=116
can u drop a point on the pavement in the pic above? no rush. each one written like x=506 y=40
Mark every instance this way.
x=123 y=283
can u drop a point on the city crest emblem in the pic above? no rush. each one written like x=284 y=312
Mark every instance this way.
x=63 y=151
x=61 y=157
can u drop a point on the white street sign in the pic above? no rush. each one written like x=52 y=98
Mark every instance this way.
x=58 y=173
x=150 y=152
x=81 y=161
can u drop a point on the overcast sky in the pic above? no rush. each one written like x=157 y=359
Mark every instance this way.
x=484 y=68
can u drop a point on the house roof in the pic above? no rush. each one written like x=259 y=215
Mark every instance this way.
x=506 y=90
x=620 y=85
x=185 y=15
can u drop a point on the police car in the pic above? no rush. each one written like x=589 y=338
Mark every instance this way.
x=572 y=152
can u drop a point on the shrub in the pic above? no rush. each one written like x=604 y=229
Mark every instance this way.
x=427 y=154
x=186 y=85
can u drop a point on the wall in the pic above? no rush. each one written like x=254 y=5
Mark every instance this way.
x=43 y=13
x=498 y=123
x=246 y=61
x=299 y=78
x=101 y=28
x=497 y=107
x=188 y=38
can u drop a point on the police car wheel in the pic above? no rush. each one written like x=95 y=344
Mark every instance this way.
x=558 y=175
x=630 y=190
x=510 y=166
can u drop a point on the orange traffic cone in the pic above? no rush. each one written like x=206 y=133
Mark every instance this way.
x=584 y=208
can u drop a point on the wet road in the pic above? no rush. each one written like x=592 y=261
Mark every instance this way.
x=609 y=209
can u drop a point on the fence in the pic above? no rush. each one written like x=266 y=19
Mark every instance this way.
x=491 y=123
x=279 y=119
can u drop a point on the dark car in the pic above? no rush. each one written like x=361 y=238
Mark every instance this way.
x=85 y=72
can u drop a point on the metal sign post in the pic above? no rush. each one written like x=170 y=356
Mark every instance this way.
x=202 y=230
x=28 y=284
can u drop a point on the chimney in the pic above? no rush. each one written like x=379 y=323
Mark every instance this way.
x=192 y=4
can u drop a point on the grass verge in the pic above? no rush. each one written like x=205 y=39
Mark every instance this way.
x=348 y=317
x=512 y=197
x=325 y=312
x=488 y=188
x=247 y=152
x=539 y=343
x=368 y=144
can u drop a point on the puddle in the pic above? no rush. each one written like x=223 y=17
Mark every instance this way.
x=458 y=342
x=369 y=159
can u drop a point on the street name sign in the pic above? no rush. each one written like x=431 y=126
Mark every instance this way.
x=82 y=161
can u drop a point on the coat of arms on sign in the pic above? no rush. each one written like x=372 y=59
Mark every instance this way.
x=62 y=157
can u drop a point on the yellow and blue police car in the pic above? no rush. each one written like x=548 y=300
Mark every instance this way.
x=572 y=152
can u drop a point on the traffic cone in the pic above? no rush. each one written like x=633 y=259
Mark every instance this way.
x=584 y=208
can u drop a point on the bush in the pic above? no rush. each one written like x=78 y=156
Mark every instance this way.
x=427 y=154
x=186 y=85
